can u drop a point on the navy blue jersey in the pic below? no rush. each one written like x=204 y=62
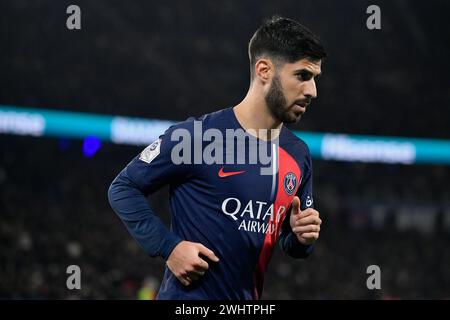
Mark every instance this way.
x=229 y=207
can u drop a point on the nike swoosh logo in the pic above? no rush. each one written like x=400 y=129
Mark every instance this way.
x=227 y=174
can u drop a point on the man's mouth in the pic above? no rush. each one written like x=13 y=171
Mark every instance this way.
x=300 y=106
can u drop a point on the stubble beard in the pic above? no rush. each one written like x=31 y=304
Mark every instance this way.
x=277 y=104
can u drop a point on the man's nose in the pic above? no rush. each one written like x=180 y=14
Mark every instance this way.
x=310 y=89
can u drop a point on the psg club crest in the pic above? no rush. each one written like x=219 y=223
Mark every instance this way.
x=290 y=182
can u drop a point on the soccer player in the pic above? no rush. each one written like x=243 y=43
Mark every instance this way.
x=227 y=216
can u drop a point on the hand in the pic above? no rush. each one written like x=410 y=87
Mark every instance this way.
x=185 y=261
x=305 y=224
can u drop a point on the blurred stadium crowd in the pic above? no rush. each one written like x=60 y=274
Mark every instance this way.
x=171 y=61
x=183 y=58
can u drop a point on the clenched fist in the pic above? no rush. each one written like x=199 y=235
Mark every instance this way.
x=305 y=224
x=186 y=262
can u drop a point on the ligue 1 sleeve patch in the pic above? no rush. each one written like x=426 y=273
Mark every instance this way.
x=151 y=152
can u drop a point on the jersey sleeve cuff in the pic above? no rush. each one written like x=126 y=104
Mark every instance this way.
x=169 y=242
x=297 y=249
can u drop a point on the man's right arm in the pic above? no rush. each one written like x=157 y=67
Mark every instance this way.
x=129 y=202
x=146 y=173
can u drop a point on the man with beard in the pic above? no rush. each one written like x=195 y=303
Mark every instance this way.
x=227 y=217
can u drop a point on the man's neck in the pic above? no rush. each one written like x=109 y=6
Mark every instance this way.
x=253 y=113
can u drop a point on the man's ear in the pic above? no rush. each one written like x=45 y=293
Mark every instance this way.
x=264 y=70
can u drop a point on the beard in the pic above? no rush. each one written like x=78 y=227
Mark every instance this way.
x=277 y=104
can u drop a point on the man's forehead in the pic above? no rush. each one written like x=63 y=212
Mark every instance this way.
x=313 y=66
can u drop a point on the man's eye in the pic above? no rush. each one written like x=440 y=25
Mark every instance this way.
x=304 y=76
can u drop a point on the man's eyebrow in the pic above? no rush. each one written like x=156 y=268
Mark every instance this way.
x=307 y=70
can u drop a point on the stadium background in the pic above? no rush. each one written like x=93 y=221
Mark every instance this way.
x=172 y=60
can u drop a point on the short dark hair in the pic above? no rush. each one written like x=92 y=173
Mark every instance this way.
x=284 y=40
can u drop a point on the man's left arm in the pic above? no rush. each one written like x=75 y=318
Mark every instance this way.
x=301 y=226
